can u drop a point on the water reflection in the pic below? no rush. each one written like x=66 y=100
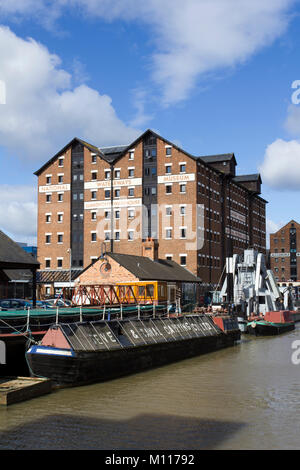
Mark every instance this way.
x=245 y=397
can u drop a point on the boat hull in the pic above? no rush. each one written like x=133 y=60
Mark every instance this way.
x=81 y=368
x=269 y=329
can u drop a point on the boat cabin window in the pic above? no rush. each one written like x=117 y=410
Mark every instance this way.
x=141 y=291
x=150 y=290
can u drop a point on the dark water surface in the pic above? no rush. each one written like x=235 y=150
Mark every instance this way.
x=245 y=397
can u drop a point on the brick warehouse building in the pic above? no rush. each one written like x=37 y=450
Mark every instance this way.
x=285 y=252
x=195 y=208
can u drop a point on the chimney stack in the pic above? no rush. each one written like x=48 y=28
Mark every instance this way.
x=150 y=249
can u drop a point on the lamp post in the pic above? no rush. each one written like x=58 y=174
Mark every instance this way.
x=69 y=250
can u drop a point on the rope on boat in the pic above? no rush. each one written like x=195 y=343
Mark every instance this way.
x=30 y=338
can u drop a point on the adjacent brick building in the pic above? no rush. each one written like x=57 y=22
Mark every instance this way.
x=285 y=252
x=195 y=207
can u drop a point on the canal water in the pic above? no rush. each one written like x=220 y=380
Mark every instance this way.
x=244 y=397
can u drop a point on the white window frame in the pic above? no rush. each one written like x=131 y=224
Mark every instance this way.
x=107 y=172
x=48 y=234
x=180 y=255
x=130 y=239
x=58 y=160
x=167 y=185
x=60 y=233
x=60 y=221
x=166 y=237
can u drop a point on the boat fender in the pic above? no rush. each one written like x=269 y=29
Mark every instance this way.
x=253 y=324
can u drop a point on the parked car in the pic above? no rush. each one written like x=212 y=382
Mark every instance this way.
x=14 y=304
x=53 y=303
x=40 y=304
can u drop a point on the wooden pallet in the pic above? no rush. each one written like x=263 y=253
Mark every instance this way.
x=16 y=389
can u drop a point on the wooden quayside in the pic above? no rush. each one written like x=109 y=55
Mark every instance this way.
x=17 y=389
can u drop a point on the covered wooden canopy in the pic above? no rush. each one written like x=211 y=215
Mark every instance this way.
x=12 y=256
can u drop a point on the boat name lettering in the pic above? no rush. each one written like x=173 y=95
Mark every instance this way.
x=133 y=333
x=101 y=338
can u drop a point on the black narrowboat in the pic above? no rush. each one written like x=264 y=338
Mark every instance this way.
x=79 y=353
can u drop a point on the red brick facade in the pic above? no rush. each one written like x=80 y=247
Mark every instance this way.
x=198 y=206
x=285 y=252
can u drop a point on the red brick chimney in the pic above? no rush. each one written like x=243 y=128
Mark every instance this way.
x=150 y=249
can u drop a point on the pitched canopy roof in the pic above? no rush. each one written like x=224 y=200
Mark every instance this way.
x=12 y=256
x=47 y=276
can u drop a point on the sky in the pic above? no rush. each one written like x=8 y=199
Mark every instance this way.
x=212 y=76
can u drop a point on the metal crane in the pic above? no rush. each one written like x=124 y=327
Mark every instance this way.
x=250 y=288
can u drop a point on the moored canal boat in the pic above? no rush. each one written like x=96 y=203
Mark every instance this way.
x=267 y=328
x=273 y=323
x=80 y=353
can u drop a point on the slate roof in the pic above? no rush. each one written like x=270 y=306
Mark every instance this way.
x=12 y=255
x=18 y=275
x=114 y=153
x=241 y=178
x=224 y=157
x=146 y=269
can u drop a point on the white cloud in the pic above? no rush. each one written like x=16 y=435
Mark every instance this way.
x=292 y=122
x=139 y=103
x=281 y=166
x=272 y=227
x=43 y=110
x=18 y=212
x=190 y=39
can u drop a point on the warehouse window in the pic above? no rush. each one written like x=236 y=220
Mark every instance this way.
x=183 y=260
x=168 y=189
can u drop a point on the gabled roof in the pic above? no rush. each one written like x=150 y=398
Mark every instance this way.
x=146 y=269
x=224 y=157
x=113 y=153
x=109 y=154
x=285 y=226
x=102 y=153
x=12 y=256
x=246 y=178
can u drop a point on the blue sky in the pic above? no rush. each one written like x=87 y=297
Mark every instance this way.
x=209 y=76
